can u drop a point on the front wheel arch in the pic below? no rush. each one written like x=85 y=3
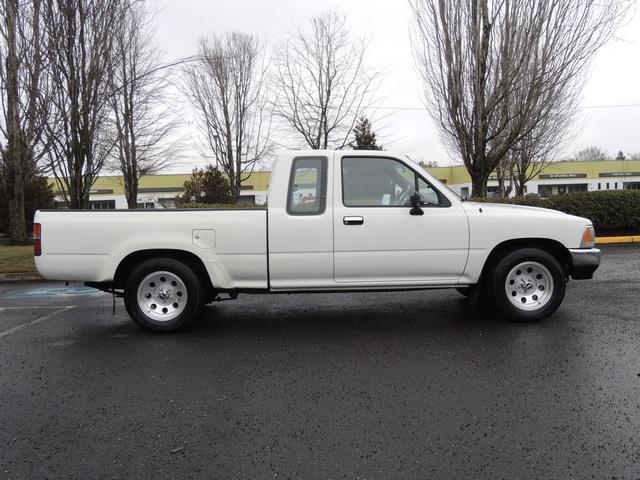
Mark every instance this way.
x=556 y=249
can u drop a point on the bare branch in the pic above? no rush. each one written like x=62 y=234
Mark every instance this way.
x=25 y=103
x=502 y=76
x=141 y=124
x=227 y=87
x=81 y=47
x=321 y=86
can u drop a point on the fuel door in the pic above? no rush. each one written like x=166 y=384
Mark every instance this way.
x=204 y=238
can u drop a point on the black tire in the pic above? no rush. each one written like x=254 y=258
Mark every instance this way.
x=179 y=276
x=537 y=289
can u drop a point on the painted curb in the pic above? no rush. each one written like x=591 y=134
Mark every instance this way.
x=625 y=239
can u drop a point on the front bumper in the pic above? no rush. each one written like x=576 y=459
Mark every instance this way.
x=584 y=261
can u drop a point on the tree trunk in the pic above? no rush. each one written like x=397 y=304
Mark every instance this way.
x=234 y=181
x=479 y=186
x=508 y=190
x=520 y=183
x=15 y=153
x=15 y=183
x=17 y=220
x=131 y=192
x=501 y=188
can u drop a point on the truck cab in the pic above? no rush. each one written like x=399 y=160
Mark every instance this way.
x=366 y=219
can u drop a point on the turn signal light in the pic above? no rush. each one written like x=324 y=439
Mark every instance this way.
x=37 y=239
x=588 y=237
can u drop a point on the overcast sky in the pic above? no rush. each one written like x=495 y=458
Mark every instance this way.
x=402 y=124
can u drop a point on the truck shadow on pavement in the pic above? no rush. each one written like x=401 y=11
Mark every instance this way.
x=426 y=317
x=308 y=316
x=307 y=335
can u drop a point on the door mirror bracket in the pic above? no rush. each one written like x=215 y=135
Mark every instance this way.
x=416 y=200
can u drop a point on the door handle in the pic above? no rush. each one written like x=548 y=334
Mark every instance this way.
x=353 y=220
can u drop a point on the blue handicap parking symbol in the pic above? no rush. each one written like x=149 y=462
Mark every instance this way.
x=59 y=292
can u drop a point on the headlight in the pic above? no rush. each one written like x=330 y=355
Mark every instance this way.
x=588 y=237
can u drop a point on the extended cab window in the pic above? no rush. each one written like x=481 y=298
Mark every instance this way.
x=381 y=182
x=307 y=186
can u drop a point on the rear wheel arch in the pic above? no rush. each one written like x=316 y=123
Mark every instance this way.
x=131 y=261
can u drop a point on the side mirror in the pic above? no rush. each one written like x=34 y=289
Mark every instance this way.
x=416 y=200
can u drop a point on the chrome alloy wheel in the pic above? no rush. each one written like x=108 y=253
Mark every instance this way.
x=162 y=296
x=529 y=286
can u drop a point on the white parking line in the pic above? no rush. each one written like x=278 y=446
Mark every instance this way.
x=36 y=307
x=32 y=322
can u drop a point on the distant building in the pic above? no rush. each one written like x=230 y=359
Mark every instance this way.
x=159 y=191
x=557 y=178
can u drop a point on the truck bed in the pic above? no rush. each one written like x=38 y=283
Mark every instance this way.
x=89 y=245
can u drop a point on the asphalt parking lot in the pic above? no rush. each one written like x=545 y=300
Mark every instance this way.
x=393 y=385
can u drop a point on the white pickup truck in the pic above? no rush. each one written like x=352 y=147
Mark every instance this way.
x=336 y=221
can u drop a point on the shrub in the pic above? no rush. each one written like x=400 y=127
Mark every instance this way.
x=213 y=205
x=610 y=211
x=208 y=186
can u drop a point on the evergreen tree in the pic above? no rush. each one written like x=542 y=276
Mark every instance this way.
x=621 y=156
x=38 y=195
x=365 y=138
x=208 y=186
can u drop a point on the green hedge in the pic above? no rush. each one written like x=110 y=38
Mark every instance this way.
x=215 y=205
x=611 y=211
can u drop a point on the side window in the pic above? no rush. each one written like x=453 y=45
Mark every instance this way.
x=307 y=186
x=382 y=182
x=376 y=182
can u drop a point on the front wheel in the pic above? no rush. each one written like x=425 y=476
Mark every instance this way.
x=163 y=295
x=528 y=285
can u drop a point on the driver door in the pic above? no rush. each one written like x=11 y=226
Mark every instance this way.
x=376 y=238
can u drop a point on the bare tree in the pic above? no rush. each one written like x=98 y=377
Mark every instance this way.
x=143 y=125
x=591 y=154
x=529 y=159
x=494 y=71
x=321 y=85
x=505 y=172
x=82 y=55
x=533 y=153
x=227 y=88
x=540 y=145
x=25 y=104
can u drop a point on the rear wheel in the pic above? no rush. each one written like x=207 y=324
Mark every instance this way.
x=528 y=284
x=163 y=295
